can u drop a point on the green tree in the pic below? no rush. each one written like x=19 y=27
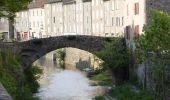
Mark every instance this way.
x=154 y=46
x=116 y=58
x=8 y=8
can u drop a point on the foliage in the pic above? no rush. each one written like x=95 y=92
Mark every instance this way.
x=20 y=85
x=61 y=57
x=126 y=92
x=32 y=74
x=153 y=47
x=99 y=98
x=105 y=77
x=115 y=54
x=8 y=8
x=156 y=37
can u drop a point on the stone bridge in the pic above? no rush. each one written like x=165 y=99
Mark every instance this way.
x=30 y=51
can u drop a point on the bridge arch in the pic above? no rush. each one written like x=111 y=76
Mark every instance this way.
x=31 y=50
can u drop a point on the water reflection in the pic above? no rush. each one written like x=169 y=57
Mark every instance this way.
x=57 y=84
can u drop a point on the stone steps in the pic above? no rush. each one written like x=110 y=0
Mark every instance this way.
x=3 y=93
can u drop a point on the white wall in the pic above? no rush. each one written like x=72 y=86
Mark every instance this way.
x=36 y=22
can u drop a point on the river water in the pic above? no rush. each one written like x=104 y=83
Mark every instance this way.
x=58 y=84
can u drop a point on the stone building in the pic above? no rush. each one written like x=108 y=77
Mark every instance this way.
x=94 y=17
x=53 y=17
x=29 y=23
x=22 y=25
x=69 y=15
x=87 y=17
x=36 y=20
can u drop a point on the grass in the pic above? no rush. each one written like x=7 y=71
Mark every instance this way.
x=105 y=77
x=125 y=92
x=99 y=98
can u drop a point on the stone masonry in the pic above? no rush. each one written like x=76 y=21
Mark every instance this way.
x=3 y=94
x=30 y=51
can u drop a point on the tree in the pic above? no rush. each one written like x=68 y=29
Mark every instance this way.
x=154 y=46
x=8 y=9
x=116 y=58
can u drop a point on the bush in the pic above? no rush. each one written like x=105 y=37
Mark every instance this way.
x=19 y=84
x=126 y=92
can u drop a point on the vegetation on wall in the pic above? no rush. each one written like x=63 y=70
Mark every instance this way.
x=61 y=57
x=153 y=48
x=19 y=84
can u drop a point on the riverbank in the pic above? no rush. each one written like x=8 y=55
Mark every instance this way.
x=126 y=91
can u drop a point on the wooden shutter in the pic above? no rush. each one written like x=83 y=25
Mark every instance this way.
x=136 y=8
x=137 y=31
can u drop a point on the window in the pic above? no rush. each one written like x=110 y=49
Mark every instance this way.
x=117 y=21
x=54 y=19
x=122 y=21
x=127 y=32
x=112 y=21
x=137 y=31
x=87 y=20
x=136 y=8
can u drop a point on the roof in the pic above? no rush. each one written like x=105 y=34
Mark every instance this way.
x=36 y=4
x=68 y=1
x=52 y=1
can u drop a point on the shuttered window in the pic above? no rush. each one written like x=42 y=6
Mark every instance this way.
x=136 y=8
x=127 y=32
x=137 y=31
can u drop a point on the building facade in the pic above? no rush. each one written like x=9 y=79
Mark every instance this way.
x=53 y=17
x=85 y=17
x=4 y=29
x=22 y=25
x=29 y=24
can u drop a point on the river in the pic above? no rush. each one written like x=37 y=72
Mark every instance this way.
x=69 y=84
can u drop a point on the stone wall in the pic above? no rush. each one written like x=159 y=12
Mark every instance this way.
x=4 y=94
x=80 y=58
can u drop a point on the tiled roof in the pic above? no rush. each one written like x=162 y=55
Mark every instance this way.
x=36 y=4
